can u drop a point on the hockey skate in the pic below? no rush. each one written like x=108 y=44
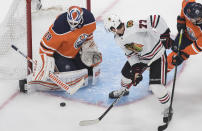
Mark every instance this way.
x=167 y=116
x=117 y=93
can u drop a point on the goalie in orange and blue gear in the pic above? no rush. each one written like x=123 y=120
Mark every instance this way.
x=68 y=47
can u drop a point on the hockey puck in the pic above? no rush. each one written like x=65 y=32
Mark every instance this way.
x=62 y=104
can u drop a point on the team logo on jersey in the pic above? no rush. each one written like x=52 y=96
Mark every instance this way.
x=80 y=40
x=129 y=23
x=134 y=47
x=48 y=36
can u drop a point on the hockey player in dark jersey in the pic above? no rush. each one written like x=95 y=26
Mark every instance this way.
x=190 y=21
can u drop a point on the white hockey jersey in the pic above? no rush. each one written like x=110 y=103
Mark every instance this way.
x=146 y=33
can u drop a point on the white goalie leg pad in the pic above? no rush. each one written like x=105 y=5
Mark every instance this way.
x=42 y=69
x=72 y=78
x=161 y=93
x=96 y=74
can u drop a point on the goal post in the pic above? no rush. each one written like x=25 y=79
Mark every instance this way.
x=29 y=34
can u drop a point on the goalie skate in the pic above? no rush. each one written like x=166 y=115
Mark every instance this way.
x=22 y=85
x=117 y=93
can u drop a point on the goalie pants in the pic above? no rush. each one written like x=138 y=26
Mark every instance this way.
x=64 y=64
x=157 y=72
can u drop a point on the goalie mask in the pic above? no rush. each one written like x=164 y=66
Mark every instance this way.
x=75 y=17
x=112 y=21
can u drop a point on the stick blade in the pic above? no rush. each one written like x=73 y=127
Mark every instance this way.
x=89 y=122
x=162 y=127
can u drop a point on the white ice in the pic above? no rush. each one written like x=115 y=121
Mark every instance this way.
x=40 y=112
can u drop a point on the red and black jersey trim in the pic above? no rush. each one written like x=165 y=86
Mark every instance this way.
x=151 y=54
x=154 y=19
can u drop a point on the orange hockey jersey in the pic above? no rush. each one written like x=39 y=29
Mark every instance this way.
x=193 y=32
x=61 y=39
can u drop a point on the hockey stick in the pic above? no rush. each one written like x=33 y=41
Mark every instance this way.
x=164 y=126
x=53 y=77
x=92 y=122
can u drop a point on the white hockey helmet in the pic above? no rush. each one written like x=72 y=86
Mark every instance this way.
x=112 y=21
x=74 y=16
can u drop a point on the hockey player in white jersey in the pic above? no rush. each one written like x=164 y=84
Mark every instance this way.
x=144 y=43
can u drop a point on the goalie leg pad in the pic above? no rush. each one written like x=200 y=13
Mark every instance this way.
x=71 y=78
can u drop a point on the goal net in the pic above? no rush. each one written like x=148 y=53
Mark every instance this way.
x=25 y=30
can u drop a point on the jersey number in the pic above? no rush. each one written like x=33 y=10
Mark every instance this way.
x=142 y=23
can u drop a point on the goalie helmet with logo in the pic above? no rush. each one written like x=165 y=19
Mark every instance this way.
x=112 y=22
x=75 y=17
x=194 y=12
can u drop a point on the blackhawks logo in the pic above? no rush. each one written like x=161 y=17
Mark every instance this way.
x=134 y=47
x=130 y=23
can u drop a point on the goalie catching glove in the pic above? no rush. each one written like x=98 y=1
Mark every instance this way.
x=41 y=72
x=90 y=55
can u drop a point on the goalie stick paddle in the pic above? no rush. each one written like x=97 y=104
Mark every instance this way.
x=164 y=126
x=92 y=122
x=53 y=77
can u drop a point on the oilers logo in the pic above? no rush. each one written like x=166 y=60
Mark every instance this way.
x=80 y=40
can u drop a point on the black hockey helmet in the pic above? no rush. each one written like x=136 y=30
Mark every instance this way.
x=194 y=10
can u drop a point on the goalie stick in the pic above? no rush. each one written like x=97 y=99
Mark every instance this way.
x=164 y=126
x=95 y=121
x=53 y=77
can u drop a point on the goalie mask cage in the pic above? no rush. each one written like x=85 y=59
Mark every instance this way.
x=24 y=26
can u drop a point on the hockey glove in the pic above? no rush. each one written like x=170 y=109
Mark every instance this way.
x=166 y=40
x=181 y=23
x=178 y=59
x=137 y=71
